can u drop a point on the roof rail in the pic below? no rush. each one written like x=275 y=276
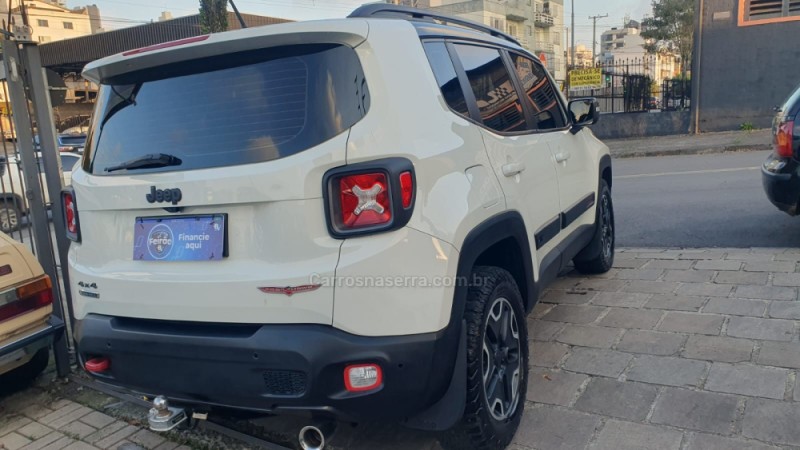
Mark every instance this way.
x=399 y=11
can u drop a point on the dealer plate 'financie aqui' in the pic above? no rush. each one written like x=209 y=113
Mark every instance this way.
x=188 y=238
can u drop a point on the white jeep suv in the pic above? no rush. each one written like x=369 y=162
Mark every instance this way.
x=346 y=218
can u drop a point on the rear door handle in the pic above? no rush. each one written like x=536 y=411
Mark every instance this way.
x=562 y=156
x=512 y=169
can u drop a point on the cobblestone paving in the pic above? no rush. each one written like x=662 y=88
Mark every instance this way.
x=672 y=349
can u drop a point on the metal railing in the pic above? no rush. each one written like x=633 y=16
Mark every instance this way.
x=637 y=85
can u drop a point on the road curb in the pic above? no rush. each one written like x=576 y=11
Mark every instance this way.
x=619 y=154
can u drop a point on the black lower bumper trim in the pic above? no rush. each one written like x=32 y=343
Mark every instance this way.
x=261 y=367
x=782 y=183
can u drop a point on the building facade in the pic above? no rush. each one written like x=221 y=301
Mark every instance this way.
x=624 y=48
x=746 y=62
x=51 y=21
x=537 y=24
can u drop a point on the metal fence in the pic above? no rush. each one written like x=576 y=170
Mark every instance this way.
x=31 y=177
x=637 y=85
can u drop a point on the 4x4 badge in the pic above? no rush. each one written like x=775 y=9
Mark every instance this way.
x=164 y=195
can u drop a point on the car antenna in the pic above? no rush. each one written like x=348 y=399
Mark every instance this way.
x=238 y=14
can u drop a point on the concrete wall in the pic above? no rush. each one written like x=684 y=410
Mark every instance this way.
x=619 y=126
x=744 y=71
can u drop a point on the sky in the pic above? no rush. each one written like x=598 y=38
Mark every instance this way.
x=124 y=13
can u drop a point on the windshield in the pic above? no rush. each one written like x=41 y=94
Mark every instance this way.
x=238 y=109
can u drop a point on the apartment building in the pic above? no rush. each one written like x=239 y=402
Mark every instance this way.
x=537 y=24
x=51 y=21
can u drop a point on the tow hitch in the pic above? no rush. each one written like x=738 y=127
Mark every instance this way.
x=162 y=417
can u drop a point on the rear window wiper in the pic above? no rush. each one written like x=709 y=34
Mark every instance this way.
x=147 y=162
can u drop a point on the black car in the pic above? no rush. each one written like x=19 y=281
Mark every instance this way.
x=781 y=170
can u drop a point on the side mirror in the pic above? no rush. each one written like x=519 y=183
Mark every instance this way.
x=583 y=112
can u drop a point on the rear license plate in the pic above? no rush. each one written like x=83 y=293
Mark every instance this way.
x=187 y=238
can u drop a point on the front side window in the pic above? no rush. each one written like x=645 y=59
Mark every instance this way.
x=446 y=76
x=540 y=93
x=498 y=101
x=235 y=109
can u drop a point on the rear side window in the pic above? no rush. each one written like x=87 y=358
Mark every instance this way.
x=446 y=76
x=498 y=101
x=540 y=93
x=237 y=109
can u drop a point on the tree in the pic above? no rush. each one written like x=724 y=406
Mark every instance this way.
x=673 y=23
x=213 y=15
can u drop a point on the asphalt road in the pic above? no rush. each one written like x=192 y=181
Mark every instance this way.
x=698 y=201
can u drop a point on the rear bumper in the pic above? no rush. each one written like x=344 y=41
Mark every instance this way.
x=34 y=341
x=270 y=368
x=781 y=183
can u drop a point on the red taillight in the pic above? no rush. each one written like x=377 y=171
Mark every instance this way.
x=71 y=215
x=364 y=200
x=369 y=197
x=406 y=188
x=363 y=377
x=783 y=140
x=32 y=296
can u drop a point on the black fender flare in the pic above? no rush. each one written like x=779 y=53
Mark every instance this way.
x=593 y=249
x=448 y=410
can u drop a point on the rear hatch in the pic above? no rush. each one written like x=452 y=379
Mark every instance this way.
x=200 y=195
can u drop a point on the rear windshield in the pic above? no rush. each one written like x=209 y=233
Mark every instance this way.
x=242 y=108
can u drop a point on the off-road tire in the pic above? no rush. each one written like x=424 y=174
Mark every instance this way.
x=603 y=240
x=479 y=429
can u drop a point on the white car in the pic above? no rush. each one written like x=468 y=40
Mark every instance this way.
x=348 y=219
x=13 y=204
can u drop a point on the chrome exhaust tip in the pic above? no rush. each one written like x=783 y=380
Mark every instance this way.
x=313 y=437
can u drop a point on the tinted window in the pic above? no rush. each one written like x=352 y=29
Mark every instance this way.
x=541 y=94
x=238 y=109
x=445 y=75
x=497 y=99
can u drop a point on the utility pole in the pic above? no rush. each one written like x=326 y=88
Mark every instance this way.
x=594 y=33
x=572 y=31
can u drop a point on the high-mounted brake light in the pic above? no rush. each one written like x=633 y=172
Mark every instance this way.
x=783 y=140
x=151 y=48
x=26 y=298
x=369 y=197
x=71 y=222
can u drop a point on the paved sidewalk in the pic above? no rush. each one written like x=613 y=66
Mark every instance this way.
x=673 y=349
x=727 y=141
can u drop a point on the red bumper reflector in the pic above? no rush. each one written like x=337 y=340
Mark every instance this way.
x=363 y=377
x=97 y=365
